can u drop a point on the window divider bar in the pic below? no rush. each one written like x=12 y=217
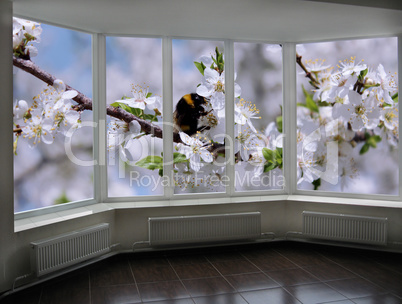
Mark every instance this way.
x=289 y=116
x=167 y=84
x=229 y=115
x=99 y=116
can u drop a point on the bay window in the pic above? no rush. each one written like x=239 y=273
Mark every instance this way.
x=227 y=105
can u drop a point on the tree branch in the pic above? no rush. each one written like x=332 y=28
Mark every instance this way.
x=314 y=82
x=85 y=103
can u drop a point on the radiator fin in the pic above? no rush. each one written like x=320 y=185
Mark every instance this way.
x=204 y=228
x=350 y=228
x=68 y=249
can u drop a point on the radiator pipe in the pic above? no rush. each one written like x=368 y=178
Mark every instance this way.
x=139 y=243
x=20 y=278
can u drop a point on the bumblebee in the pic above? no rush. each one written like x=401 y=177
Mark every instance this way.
x=189 y=110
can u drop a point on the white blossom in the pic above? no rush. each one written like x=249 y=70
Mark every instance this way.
x=360 y=113
x=194 y=150
x=386 y=85
x=140 y=99
x=38 y=129
x=244 y=112
x=213 y=87
x=349 y=67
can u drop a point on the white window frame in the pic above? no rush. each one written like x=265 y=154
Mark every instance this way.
x=289 y=87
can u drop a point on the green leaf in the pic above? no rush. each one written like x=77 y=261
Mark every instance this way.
x=269 y=167
x=200 y=66
x=364 y=149
x=179 y=158
x=363 y=74
x=148 y=95
x=324 y=104
x=151 y=162
x=278 y=156
x=395 y=97
x=310 y=103
x=135 y=111
x=160 y=172
x=279 y=121
x=150 y=117
x=372 y=140
x=316 y=183
x=268 y=154
x=62 y=199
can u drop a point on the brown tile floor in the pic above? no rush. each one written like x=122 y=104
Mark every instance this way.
x=269 y=273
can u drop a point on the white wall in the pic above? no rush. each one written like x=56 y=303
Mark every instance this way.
x=128 y=225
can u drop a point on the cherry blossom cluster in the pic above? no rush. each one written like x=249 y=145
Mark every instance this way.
x=25 y=32
x=51 y=112
x=352 y=106
x=250 y=145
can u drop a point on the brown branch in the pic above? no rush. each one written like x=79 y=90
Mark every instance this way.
x=85 y=103
x=314 y=82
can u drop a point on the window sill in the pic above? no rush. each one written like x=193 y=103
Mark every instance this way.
x=56 y=217
x=345 y=201
x=65 y=215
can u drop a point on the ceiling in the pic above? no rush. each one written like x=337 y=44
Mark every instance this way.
x=268 y=20
x=390 y=4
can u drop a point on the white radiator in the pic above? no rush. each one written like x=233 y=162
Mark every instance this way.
x=61 y=251
x=204 y=228
x=349 y=228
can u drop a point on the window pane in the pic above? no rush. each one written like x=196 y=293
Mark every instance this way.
x=134 y=86
x=348 y=129
x=199 y=103
x=258 y=117
x=50 y=169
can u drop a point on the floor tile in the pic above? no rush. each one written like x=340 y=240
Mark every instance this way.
x=231 y=298
x=27 y=296
x=305 y=257
x=65 y=295
x=143 y=262
x=274 y=263
x=339 y=302
x=193 y=271
x=267 y=296
x=290 y=277
x=187 y=259
x=251 y=281
x=379 y=299
x=154 y=274
x=76 y=279
x=355 y=288
x=176 y=301
x=166 y=290
x=380 y=276
x=271 y=272
x=315 y=293
x=235 y=267
x=224 y=256
x=209 y=286
x=329 y=272
x=115 y=294
x=111 y=272
x=260 y=254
